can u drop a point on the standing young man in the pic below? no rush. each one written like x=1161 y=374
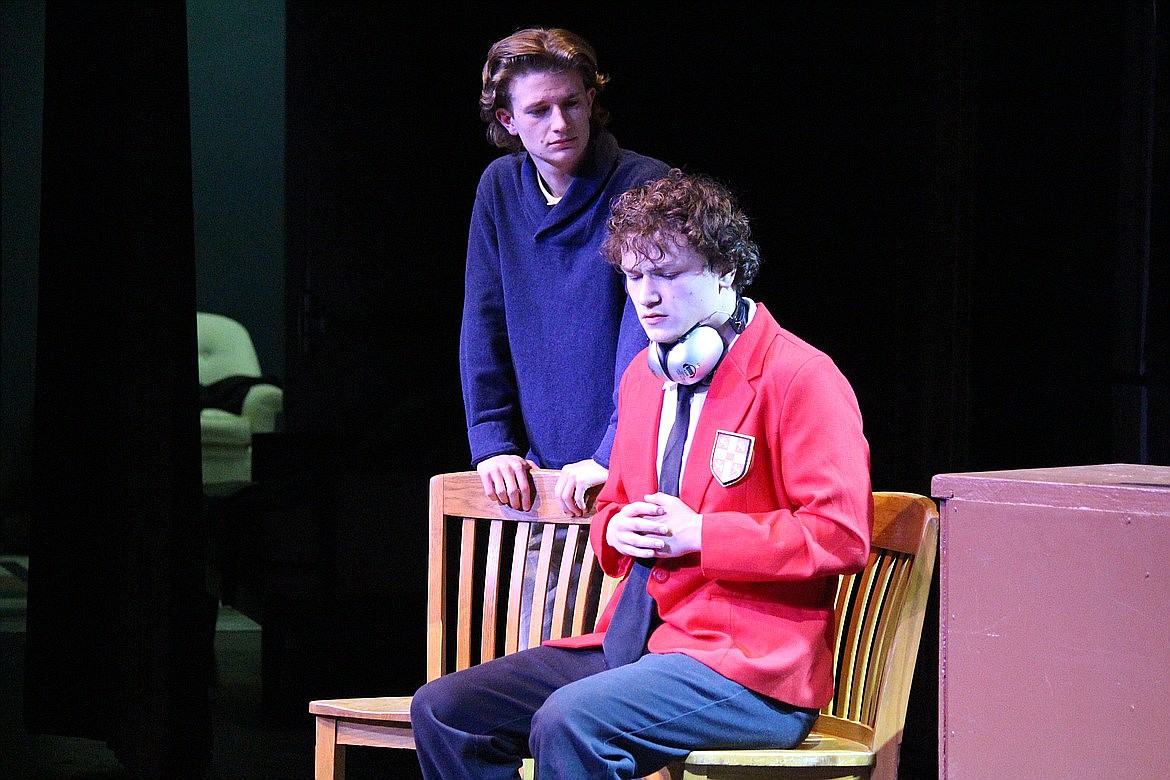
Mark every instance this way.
x=547 y=329
x=721 y=636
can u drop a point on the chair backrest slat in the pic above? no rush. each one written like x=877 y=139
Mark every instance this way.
x=491 y=591
x=539 y=600
x=520 y=536
x=566 y=583
x=436 y=583
x=466 y=598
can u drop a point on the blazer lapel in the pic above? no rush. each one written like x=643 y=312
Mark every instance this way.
x=732 y=392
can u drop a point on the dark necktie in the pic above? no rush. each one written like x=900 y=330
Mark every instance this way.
x=625 y=639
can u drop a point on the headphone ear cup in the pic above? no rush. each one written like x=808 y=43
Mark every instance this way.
x=695 y=356
x=690 y=359
x=656 y=359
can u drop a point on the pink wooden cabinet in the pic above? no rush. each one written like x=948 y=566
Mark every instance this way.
x=1054 y=646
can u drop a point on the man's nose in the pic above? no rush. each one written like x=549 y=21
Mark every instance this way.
x=643 y=293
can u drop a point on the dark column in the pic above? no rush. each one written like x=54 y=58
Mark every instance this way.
x=119 y=621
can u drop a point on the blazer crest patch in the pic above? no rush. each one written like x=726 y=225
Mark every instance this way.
x=731 y=456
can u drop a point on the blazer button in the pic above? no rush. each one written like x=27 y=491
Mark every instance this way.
x=659 y=574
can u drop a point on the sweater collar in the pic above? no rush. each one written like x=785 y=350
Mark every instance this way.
x=596 y=168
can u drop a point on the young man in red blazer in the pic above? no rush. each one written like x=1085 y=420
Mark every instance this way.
x=721 y=636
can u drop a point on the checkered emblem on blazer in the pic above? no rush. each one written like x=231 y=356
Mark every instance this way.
x=731 y=456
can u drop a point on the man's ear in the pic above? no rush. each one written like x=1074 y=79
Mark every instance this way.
x=728 y=279
x=505 y=118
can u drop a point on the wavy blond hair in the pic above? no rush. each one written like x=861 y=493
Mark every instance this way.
x=535 y=50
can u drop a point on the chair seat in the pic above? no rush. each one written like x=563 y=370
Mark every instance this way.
x=816 y=750
x=373 y=722
x=379 y=708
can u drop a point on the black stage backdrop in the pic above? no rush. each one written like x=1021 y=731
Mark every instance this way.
x=962 y=202
x=119 y=618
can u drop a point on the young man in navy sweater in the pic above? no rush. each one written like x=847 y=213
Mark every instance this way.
x=547 y=330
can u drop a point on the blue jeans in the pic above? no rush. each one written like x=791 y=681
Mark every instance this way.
x=579 y=719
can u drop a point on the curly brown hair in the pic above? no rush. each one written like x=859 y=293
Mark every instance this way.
x=535 y=50
x=689 y=209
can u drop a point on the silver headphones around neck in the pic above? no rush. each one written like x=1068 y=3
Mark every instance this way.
x=697 y=352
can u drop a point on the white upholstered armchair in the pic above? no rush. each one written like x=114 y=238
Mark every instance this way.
x=238 y=400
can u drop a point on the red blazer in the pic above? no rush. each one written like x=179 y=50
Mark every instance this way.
x=790 y=509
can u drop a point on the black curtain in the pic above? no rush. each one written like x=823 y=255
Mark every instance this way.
x=961 y=201
x=120 y=623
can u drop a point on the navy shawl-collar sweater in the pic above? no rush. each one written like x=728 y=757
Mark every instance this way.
x=547 y=329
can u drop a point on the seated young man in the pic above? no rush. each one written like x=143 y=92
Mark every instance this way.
x=721 y=635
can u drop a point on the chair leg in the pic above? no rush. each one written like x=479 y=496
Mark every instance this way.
x=329 y=757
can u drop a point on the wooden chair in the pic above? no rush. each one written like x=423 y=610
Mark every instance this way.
x=481 y=547
x=879 y=617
